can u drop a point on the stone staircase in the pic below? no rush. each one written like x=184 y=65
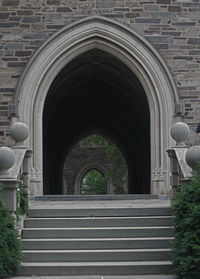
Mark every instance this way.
x=118 y=237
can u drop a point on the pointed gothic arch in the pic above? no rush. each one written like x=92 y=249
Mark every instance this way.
x=128 y=47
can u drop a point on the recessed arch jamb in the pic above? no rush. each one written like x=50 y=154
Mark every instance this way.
x=129 y=47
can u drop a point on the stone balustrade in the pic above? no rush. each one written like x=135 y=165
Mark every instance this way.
x=14 y=162
x=182 y=159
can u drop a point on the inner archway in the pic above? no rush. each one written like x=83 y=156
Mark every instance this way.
x=95 y=152
x=97 y=92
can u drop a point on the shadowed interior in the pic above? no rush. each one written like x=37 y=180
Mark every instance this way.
x=96 y=93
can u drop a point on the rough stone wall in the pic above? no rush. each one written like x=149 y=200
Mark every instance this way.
x=82 y=156
x=171 y=26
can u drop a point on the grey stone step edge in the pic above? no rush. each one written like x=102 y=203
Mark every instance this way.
x=98 y=212
x=94 y=268
x=97 y=243
x=100 y=277
x=94 y=197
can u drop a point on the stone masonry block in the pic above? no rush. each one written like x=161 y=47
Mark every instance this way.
x=158 y=39
x=105 y=4
x=9 y=24
x=175 y=9
x=4 y=15
x=194 y=52
x=160 y=14
x=31 y=19
x=14 y=46
x=24 y=12
x=184 y=23
x=161 y=46
x=54 y=26
x=131 y=15
x=52 y=17
x=64 y=10
x=36 y=36
x=173 y=33
x=151 y=8
x=163 y=1
x=147 y=20
x=16 y=64
x=10 y=2
x=14 y=18
x=23 y=53
x=194 y=41
x=53 y=2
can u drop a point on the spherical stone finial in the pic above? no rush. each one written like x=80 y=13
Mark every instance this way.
x=180 y=132
x=192 y=156
x=7 y=159
x=19 y=132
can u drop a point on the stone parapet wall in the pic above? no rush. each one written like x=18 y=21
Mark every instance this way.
x=171 y=26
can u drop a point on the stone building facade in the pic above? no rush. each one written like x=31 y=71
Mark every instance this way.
x=155 y=33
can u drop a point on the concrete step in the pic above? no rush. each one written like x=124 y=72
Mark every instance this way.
x=169 y=276
x=97 y=243
x=98 y=222
x=107 y=232
x=94 y=197
x=101 y=212
x=96 y=255
x=63 y=237
x=95 y=268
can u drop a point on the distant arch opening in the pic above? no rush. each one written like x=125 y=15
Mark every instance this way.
x=94 y=183
x=95 y=152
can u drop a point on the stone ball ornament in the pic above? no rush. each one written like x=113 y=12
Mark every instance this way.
x=19 y=131
x=7 y=159
x=192 y=156
x=180 y=132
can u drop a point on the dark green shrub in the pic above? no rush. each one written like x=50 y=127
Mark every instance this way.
x=10 y=247
x=22 y=199
x=186 y=211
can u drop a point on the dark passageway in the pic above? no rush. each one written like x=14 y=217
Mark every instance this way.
x=96 y=93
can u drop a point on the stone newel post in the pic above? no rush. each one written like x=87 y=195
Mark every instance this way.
x=11 y=160
x=192 y=156
x=179 y=132
x=7 y=160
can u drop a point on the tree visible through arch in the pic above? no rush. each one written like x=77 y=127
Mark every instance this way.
x=94 y=183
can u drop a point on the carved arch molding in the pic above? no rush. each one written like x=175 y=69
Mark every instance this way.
x=127 y=46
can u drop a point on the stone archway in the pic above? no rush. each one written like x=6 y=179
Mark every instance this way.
x=86 y=169
x=129 y=48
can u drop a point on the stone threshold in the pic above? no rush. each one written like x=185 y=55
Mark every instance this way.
x=95 y=197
